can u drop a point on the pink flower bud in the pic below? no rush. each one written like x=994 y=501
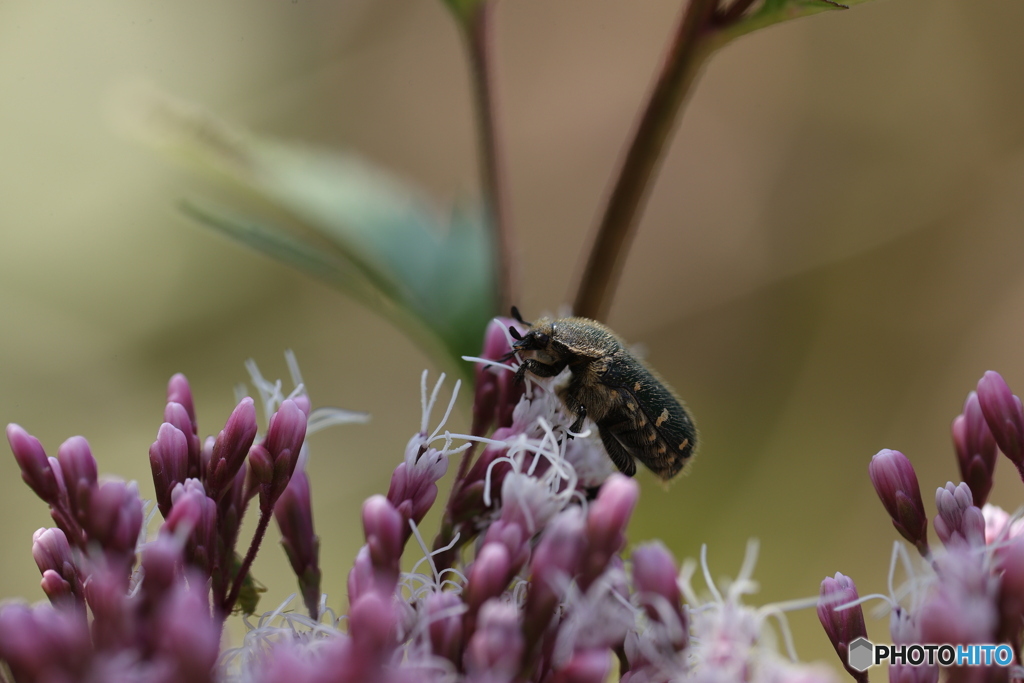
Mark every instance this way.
x=35 y=467
x=42 y=643
x=496 y=392
x=488 y=577
x=896 y=484
x=179 y=391
x=230 y=448
x=413 y=487
x=168 y=457
x=177 y=415
x=362 y=578
x=79 y=470
x=958 y=521
x=50 y=550
x=496 y=649
x=606 y=524
x=444 y=614
x=842 y=626
x=975 y=449
x=115 y=518
x=161 y=560
x=372 y=625
x=1004 y=415
x=193 y=509
x=554 y=563
x=283 y=442
x=294 y=515
x=187 y=635
x=59 y=591
x=656 y=578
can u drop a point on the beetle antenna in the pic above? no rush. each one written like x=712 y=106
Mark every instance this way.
x=514 y=332
x=519 y=318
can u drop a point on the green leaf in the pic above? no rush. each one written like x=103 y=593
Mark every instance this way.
x=771 y=12
x=373 y=235
x=464 y=9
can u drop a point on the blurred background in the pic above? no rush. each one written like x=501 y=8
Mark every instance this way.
x=829 y=260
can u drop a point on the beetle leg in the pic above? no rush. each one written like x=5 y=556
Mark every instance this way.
x=619 y=455
x=581 y=415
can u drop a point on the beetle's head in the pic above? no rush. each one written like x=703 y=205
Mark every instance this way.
x=538 y=339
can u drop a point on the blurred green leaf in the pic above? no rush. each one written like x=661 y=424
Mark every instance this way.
x=373 y=236
x=464 y=9
x=771 y=12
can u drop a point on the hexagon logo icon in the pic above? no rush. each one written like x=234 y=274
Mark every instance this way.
x=860 y=654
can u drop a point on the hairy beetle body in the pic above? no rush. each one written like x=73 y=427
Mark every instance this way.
x=637 y=415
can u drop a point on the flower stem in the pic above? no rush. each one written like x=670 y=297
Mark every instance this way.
x=266 y=512
x=479 y=34
x=688 y=50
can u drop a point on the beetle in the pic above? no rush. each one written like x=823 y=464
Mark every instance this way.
x=637 y=415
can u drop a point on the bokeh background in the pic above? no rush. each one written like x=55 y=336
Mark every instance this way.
x=830 y=258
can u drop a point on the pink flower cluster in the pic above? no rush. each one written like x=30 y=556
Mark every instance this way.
x=527 y=578
x=969 y=591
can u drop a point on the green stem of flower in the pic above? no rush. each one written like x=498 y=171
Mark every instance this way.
x=479 y=34
x=266 y=512
x=687 y=52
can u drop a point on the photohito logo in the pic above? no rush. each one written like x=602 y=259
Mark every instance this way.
x=863 y=654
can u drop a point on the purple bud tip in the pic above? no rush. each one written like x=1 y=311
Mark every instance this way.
x=302 y=401
x=895 y=482
x=35 y=466
x=160 y=560
x=1004 y=414
x=168 y=458
x=178 y=391
x=496 y=648
x=115 y=517
x=56 y=588
x=444 y=614
x=384 y=528
x=489 y=575
x=655 y=571
x=231 y=447
x=958 y=521
x=79 y=470
x=975 y=449
x=187 y=633
x=373 y=623
x=610 y=512
x=287 y=429
x=261 y=465
x=656 y=578
x=51 y=550
x=842 y=626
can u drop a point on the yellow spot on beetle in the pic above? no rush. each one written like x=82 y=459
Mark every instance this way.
x=661 y=418
x=636 y=387
x=684 y=444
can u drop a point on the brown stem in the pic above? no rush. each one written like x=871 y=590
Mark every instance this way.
x=686 y=53
x=266 y=512
x=479 y=33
